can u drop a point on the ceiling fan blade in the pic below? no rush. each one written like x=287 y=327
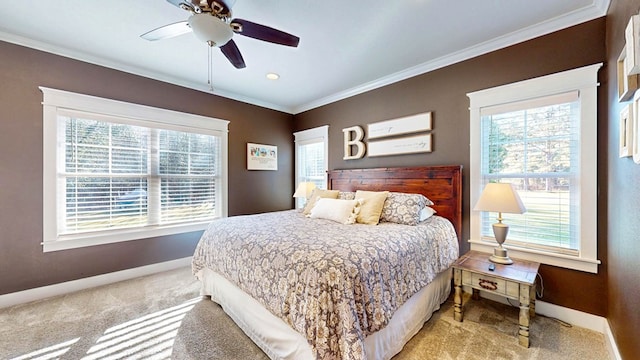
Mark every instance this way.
x=265 y=33
x=167 y=31
x=231 y=51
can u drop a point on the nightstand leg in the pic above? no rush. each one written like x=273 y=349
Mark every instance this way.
x=532 y=301
x=457 y=297
x=523 y=333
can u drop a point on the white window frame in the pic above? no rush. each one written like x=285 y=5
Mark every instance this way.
x=585 y=81
x=309 y=136
x=58 y=100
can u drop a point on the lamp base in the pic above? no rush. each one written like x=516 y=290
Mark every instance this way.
x=500 y=256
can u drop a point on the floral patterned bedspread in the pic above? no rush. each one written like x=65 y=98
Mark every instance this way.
x=333 y=283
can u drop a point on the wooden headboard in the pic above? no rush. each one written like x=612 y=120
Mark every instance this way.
x=441 y=184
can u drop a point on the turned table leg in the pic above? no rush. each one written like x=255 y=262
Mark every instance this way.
x=457 y=297
x=523 y=333
x=532 y=301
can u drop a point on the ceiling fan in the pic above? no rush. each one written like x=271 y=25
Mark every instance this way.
x=211 y=22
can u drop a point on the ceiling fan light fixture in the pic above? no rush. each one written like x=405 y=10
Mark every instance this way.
x=211 y=23
x=210 y=29
x=273 y=76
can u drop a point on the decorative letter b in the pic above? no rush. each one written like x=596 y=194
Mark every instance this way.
x=356 y=141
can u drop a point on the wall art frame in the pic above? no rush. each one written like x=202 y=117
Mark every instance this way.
x=262 y=157
x=400 y=126
x=632 y=45
x=635 y=129
x=627 y=84
x=627 y=119
x=403 y=145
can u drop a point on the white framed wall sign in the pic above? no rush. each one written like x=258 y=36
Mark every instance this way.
x=262 y=157
x=403 y=125
x=404 y=145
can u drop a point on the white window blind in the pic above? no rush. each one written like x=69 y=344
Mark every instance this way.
x=189 y=176
x=116 y=171
x=312 y=157
x=312 y=169
x=119 y=175
x=535 y=146
x=539 y=134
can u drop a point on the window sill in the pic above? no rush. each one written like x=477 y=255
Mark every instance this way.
x=116 y=236
x=564 y=261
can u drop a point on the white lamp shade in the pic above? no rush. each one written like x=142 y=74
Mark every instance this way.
x=304 y=190
x=500 y=197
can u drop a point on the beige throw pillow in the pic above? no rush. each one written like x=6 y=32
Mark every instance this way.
x=317 y=194
x=371 y=208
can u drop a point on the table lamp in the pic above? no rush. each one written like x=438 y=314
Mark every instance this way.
x=500 y=197
x=304 y=190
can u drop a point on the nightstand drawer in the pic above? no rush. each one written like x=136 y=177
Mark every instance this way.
x=492 y=284
x=489 y=283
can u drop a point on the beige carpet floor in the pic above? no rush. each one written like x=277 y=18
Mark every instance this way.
x=161 y=316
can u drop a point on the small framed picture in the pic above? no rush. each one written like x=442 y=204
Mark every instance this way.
x=632 y=41
x=627 y=84
x=262 y=157
x=626 y=131
x=635 y=129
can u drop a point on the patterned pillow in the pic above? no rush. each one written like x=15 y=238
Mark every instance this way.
x=403 y=208
x=346 y=195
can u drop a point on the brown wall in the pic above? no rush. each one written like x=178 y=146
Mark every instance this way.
x=613 y=292
x=444 y=92
x=624 y=203
x=23 y=265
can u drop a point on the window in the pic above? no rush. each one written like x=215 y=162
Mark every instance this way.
x=540 y=135
x=312 y=157
x=115 y=171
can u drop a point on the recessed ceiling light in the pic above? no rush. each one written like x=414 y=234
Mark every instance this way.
x=273 y=76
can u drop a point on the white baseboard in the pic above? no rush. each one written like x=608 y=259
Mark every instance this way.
x=44 y=292
x=611 y=344
x=573 y=317
x=582 y=319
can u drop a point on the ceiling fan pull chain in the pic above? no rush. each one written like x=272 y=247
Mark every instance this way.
x=210 y=74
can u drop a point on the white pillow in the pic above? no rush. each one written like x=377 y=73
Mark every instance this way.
x=426 y=213
x=317 y=194
x=342 y=211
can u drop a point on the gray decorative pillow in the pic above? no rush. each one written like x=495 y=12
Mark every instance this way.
x=346 y=195
x=403 y=208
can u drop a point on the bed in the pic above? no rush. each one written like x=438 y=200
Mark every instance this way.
x=304 y=288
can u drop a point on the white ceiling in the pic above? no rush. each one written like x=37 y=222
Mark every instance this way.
x=346 y=47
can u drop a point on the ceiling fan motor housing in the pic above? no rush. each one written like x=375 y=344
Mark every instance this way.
x=210 y=29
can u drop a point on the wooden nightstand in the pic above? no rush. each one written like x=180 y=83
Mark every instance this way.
x=516 y=281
